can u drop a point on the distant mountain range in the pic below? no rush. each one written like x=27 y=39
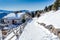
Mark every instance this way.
x=6 y=12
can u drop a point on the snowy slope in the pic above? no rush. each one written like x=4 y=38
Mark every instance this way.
x=43 y=18
x=34 y=31
x=51 y=18
x=12 y=15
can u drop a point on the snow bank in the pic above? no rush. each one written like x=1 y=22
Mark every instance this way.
x=34 y=31
x=51 y=18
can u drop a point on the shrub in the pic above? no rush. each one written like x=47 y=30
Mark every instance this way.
x=23 y=20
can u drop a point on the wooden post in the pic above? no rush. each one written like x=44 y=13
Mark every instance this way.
x=1 y=35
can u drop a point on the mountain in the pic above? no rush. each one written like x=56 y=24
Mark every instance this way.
x=2 y=15
x=6 y=12
x=24 y=10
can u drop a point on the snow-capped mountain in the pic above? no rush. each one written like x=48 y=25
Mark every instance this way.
x=13 y=15
x=6 y=12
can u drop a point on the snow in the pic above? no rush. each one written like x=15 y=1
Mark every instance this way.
x=10 y=15
x=9 y=36
x=51 y=18
x=34 y=31
x=13 y=16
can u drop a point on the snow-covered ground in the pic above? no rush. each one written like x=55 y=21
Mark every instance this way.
x=34 y=31
x=51 y=18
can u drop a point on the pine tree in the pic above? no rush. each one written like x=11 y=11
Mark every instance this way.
x=56 y=4
x=23 y=20
x=50 y=7
x=46 y=9
x=32 y=13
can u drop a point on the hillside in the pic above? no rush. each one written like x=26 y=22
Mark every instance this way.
x=34 y=31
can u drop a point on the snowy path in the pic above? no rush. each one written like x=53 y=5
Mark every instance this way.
x=34 y=31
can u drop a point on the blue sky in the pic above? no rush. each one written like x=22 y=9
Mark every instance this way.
x=24 y=4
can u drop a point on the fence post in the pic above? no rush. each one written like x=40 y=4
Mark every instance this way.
x=1 y=35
